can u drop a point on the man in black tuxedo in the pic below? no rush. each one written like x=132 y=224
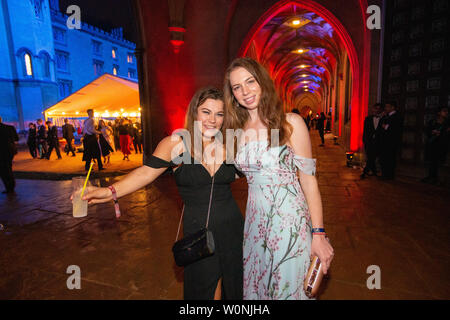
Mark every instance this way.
x=52 y=139
x=68 y=131
x=371 y=139
x=8 y=139
x=390 y=138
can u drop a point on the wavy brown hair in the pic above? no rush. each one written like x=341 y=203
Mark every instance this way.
x=197 y=100
x=270 y=108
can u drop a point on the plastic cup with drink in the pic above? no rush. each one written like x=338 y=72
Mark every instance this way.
x=80 y=207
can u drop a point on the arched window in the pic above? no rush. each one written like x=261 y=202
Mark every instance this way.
x=28 y=65
x=45 y=60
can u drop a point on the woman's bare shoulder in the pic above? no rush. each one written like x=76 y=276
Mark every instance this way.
x=299 y=139
x=297 y=123
x=295 y=119
x=169 y=146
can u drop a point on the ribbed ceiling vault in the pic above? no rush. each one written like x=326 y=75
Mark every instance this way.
x=299 y=74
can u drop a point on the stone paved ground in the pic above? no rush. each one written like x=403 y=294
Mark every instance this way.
x=401 y=226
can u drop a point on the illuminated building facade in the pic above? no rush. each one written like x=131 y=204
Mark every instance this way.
x=44 y=61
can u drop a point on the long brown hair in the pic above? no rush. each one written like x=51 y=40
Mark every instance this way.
x=270 y=108
x=197 y=100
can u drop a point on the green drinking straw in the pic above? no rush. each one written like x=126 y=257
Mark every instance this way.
x=87 y=178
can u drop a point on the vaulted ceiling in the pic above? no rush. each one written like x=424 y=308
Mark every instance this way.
x=301 y=51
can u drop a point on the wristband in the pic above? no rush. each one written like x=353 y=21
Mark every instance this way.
x=318 y=230
x=116 y=202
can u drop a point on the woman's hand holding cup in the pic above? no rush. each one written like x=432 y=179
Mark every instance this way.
x=96 y=195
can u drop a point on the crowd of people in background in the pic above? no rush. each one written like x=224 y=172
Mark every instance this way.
x=107 y=137
x=321 y=122
x=98 y=139
x=382 y=138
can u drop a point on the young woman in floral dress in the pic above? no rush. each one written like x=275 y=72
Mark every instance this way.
x=283 y=209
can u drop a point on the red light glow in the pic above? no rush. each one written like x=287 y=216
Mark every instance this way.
x=359 y=60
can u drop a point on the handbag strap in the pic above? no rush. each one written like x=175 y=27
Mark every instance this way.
x=210 y=196
x=179 y=224
x=209 y=206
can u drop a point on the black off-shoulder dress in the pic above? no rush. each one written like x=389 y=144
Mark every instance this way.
x=226 y=223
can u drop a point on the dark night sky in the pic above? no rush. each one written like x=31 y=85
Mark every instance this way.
x=106 y=14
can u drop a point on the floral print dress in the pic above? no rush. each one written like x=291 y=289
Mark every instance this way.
x=277 y=232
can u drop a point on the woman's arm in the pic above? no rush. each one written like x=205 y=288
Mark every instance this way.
x=136 y=179
x=301 y=144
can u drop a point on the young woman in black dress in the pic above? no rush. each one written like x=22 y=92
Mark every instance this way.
x=220 y=275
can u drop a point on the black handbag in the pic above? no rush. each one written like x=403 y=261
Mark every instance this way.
x=195 y=246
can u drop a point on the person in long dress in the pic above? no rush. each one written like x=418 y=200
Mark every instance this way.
x=125 y=139
x=110 y=131
x=219 y=275
x=283 y=220
x=105 y=140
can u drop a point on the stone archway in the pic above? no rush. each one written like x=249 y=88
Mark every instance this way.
x=208 y=35
x=359 y=69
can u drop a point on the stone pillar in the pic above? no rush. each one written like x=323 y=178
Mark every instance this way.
x=144 y=99
x=176 y=24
